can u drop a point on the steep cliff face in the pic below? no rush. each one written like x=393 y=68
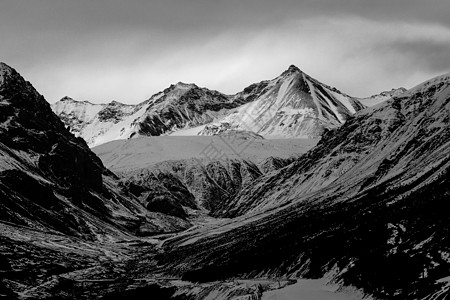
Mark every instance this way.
x=380 y=226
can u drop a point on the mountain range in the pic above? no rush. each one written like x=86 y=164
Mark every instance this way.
x=293 y=105
x=362 y=206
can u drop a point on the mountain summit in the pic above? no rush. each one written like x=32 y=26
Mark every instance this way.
x=291 y=105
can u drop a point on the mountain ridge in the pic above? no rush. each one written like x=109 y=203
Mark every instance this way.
x=185 y=106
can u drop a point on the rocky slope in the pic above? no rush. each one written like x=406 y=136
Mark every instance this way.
x=366 y=204
x=291 y=105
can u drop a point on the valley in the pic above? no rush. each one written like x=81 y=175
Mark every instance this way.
x=289 y=188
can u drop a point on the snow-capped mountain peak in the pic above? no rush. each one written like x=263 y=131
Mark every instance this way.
x=291 y=105
x=291 y=70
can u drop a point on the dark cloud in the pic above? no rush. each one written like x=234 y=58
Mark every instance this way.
x=429 y=56
x=102 y=49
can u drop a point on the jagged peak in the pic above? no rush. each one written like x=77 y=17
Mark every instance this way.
x=294 y=68
x=67 y=98
x=117 y=103
x=71 y=100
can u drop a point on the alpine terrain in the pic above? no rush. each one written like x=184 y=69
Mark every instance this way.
x=348 y=202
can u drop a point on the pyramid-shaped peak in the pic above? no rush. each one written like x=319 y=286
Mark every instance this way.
x=291 y=70
x=294 y=68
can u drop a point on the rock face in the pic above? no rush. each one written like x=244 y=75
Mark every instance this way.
x=291 y=105
x=367 y=204
x=205 y=184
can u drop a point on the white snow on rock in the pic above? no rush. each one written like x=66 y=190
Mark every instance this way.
x=382 y=97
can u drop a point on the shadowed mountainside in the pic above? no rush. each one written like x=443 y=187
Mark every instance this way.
x=381 y=225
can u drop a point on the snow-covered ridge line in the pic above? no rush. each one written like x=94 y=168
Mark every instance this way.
x=291 y=105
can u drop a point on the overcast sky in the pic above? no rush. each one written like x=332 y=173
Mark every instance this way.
x=103 y=50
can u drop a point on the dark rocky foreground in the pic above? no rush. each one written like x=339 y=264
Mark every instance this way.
x=366 y=207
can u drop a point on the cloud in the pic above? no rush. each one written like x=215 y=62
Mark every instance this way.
x=127 y=51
